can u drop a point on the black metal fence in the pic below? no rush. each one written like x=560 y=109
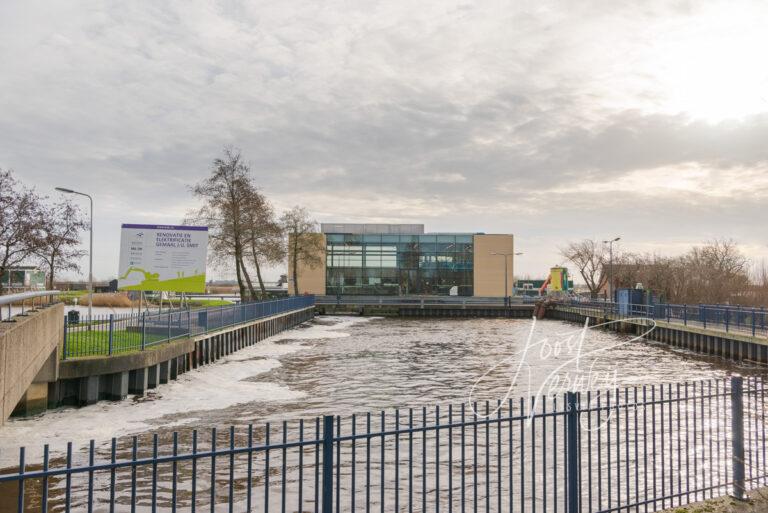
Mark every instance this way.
x=631 y=449
x=112 y=334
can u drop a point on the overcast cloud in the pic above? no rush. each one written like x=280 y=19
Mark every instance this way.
x=549 y=120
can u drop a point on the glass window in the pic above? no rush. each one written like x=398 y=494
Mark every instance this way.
x=427 y=238
x=447 y=239
x=372 y=238
x=464 y=239
x=390 y=238
x=334 y=237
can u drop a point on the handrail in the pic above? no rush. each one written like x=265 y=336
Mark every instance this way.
x=23 y=296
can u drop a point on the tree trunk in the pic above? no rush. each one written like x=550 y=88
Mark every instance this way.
x=50 y=272
x=238 y=258
x=295 y=257
x=251 y=291
x=258 y=275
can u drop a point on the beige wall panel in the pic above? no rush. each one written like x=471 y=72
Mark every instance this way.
x=489 y=269
x=311 y=281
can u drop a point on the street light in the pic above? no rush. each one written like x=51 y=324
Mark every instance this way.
x=90 y=252
x=610 y=268
x=505 y=255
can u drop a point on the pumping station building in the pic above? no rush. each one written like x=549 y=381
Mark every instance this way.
x=401 y=259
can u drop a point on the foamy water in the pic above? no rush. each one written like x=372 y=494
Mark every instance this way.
x=212 y=387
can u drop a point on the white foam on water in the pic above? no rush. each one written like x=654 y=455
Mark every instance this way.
x=207 y=388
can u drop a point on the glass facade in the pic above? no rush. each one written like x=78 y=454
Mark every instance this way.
x=399 y=264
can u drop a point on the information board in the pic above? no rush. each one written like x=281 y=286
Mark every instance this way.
x=163 y=258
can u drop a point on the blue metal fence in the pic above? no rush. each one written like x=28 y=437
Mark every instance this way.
x=746 y=320
x=113 y=334
x=631 y=449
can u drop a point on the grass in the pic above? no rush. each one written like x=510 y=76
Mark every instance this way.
x=96 y=342
x=72 y=294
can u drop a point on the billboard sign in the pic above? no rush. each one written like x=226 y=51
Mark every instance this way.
x=163 y=258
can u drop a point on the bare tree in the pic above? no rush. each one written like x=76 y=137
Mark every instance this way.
x=305 y=246
x=589 y=258
x=61 y=228
x=21 y=221
x=225 y=194
x=263 y=235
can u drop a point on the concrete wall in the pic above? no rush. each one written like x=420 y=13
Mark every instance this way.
x=311 y=280
x=28 y=353
x=489 y=269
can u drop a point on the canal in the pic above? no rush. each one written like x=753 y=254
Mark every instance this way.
x=346 y=365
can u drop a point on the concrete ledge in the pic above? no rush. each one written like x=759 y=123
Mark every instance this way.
x=70 y=369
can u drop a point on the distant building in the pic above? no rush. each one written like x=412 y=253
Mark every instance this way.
x=23 y=277
x=401 y=259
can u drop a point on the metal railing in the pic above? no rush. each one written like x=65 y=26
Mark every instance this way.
x=113 y=334
x=630 y=449
x=746 y=320
x=21 y=298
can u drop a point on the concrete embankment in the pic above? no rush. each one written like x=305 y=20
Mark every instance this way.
x=84 y=381
x=29 y=352
x=757 y=502
x=457 y=310
x=731 y=345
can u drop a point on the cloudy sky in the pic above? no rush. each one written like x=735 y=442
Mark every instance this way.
x=553 y=121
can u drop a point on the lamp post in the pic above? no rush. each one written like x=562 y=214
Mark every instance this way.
x=610 y=265
x=90 y=251
x=506 y=282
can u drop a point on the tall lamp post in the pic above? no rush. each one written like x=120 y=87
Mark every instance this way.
x=610 y=265
x=90 y=251
x=506 y=279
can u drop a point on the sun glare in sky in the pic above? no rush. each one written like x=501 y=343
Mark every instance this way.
x=714 y=69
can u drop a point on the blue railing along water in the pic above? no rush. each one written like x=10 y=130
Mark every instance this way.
x=728 y=318
x=113 y=334
x=641 y=448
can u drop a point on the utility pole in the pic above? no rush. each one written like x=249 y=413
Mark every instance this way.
x=610 y=265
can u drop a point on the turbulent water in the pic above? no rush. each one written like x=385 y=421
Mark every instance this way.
x=345 y=365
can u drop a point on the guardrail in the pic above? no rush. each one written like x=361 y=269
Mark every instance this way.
x=111 y=334
x=630 y=449
x=750 y=321
x=423 y=300
x=23 y=297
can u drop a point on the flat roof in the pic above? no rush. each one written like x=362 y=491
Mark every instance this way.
x=372 y=228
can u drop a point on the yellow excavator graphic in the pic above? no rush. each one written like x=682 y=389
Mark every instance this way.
x=147 y=275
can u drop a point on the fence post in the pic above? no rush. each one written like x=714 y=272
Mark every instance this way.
x=143 y=330
x=572 y=411
x=753 y=322
x=111 y=332
x=189 y=321
x=737 y=433
x=685 y=315
x=726 y=319
x=327 y=499
x=704 y=315
x=64 y=348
